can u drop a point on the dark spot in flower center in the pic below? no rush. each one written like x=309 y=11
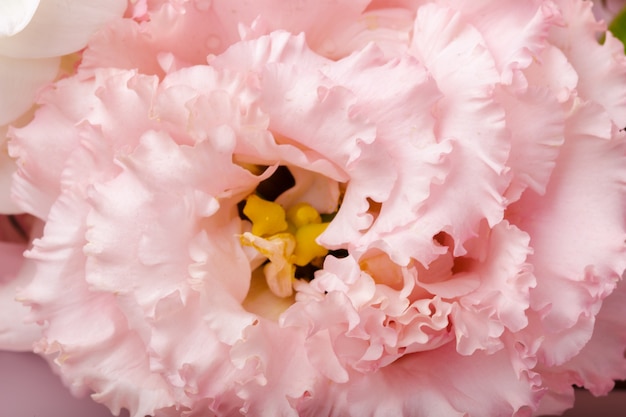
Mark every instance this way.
x=270 y=188
x=280 y=181
x=307 y=271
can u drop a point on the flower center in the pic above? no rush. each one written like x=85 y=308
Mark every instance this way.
x=287 y=238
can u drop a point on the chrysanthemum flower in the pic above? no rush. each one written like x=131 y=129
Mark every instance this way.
x=246 y=213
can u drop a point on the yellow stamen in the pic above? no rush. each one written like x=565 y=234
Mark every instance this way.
x=302 y=214
x=267 y=217
x=307 y=248
x=284 y=244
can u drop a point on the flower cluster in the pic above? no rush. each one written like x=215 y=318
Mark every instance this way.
x=282 y=207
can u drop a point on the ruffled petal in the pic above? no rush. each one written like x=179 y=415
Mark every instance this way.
x=589 y=173
x=467 y=116
x=597 y=365
x=513 y=50
x=83 y=351
x=601 y=362
x=145 y=186
x=534 y=146
x=601 y=68
x=281 y=372
x=502 y=298
x=460 y=278
x=430 y=382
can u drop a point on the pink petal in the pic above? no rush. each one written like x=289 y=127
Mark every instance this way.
x=601 y=362
x=94 y=337
x=589 y=173
x=601 y=68
x=439 y=381
x=534 y=146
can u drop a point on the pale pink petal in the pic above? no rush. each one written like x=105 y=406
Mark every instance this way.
x=68 y=103
x=555 y=72
x=319 y=20
x=501 y=300
x=281 y=371
x=148 y=213
x=431 y=382
x=513 y=50
x=389 y=29
x=534 y=146
x=471 y=159
x=597 y=365
x=471 y=120
x=313 y=188
x=416 y=166
x=589 y=173
x=195 y=366
x=128 y=44
x=95 y=336
x=601 y=69
x=601 y=361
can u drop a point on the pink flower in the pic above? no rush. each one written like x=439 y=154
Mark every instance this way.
x=403 y=199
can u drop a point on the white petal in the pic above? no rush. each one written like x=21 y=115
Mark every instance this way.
x=7 y=168
x=59 y=27
x=15 y=15
x=19 y=81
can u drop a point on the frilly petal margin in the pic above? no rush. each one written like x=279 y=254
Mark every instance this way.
x=589 y=173
x=141 y=178
x=601 y=68
x=598 y=365
x=429 y=383
x=86 y=354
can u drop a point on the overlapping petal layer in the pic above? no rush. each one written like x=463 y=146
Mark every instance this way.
x=468 y=161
